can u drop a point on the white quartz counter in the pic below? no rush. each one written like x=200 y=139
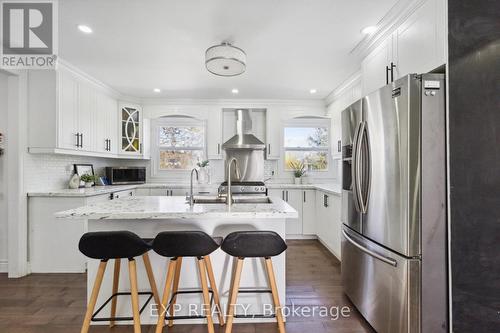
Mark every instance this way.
x=164 y=207
x=98 y=190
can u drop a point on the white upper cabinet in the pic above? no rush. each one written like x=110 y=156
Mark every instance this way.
x=70 y=114
x=418 y=45
x=68 y=134
x=375 y=67
x=420 y=41
x=130 y=124
x=273 y=133
x=214 y=134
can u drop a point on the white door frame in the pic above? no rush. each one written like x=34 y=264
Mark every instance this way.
x=15 y=153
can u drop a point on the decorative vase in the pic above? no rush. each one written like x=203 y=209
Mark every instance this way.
x=202 y=175
x=88 y=185
x=74 y=182
x=297 y=180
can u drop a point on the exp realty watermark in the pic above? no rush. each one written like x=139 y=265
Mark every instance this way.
x=267 y=310
x=28 y=34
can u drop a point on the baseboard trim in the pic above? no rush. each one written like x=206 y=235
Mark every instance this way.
x=328 y=248
x=4 y=266
x=293 y=237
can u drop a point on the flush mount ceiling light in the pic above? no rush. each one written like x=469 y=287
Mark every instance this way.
x=235 y=91
x=85 y=29
x=157 y=90
x=225 y=60
x=313 y=91
x=369 y=30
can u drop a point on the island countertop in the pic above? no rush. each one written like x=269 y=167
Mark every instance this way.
x=167 y=207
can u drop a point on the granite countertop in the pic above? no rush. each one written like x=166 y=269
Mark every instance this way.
x=334 y=189
x=163 y=207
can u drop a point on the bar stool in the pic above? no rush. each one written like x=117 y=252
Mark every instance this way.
x=254 y=244
x=117 y=245
x=177 y=245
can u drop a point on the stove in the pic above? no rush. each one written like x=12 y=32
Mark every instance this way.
x=248 y=187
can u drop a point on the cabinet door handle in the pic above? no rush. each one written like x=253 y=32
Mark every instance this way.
x=109 y=143
x=286 y=196
x=325 y=200
x=81 y=140
x=392 y=71
x=386 y=74
x=304 y=196
x=283 y=195
x=339 y=146
x=269 y=149
x=77 y=140
x=218 y=149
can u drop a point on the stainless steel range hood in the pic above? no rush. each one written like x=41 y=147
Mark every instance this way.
x=244 y=138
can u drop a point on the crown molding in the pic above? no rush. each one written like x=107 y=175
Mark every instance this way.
x=349 y=83
x=65 y=65
x=233 y=103
x=386 y=26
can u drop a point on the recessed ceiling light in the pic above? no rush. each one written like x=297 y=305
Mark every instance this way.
x=157 y=90
x=313 y=91
x=235 y=91
x=84 y=28
x=369 y=30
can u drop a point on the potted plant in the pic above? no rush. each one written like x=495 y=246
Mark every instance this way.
x=299 y=170
x=88 y=180
x=204 y=169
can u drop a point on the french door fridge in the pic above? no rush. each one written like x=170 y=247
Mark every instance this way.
x=394 y=205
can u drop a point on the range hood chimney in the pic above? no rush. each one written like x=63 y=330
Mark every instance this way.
x=244 y=139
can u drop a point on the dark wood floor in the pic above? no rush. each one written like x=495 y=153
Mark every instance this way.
x=55 y=303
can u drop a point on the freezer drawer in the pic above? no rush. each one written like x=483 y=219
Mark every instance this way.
x=384 y=286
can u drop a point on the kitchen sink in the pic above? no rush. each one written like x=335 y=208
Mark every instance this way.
x=236 y=200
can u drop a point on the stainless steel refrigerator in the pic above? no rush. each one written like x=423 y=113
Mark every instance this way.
x=394 y=266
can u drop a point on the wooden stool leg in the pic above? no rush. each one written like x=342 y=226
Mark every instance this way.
x=213 y=285
x=166 y=294
x=93 y=296
x=116 y=281
x=276 y=299
x=234 y=295
x=151 y=278
x=134 y=295
x=175 y=288
x=206 y=297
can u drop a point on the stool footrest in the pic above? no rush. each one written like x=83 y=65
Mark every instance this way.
x=196 y=291
x=258 y=315
x=121 y=318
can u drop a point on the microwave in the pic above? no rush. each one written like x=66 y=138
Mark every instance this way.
x=126 y=175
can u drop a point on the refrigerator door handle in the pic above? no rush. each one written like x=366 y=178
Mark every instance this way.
x=357 y=167
x=374 y=254
x=353 y=169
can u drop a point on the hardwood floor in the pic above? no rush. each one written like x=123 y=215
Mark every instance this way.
x=55 y=303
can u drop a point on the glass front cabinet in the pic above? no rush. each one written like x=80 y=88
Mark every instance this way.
x=130 y=129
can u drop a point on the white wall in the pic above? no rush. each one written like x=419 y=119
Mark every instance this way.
x=3 y=176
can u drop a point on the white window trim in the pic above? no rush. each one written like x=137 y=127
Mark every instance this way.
x=156 y=172
x=307 y=122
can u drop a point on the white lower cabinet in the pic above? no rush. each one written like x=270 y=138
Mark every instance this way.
x=53 y=242
x=309 y=227
x=303 y=201
x=328 y=221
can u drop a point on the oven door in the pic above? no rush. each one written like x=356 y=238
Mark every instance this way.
x=384 y=286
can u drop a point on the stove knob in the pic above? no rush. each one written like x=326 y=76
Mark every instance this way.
x=242 y=189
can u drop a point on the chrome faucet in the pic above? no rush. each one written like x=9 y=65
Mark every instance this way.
x=229 y=197
x=191 y=197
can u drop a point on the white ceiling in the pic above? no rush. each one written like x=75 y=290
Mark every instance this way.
x=291 y=45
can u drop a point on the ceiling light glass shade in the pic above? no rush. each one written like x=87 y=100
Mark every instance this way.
x=225 y=60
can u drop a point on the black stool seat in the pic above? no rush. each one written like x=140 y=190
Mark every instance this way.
x=106 y=245
x=185 y=244
x=253 y=244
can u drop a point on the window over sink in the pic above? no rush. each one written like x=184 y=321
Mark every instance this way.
x=306 y=142
x=178 y=144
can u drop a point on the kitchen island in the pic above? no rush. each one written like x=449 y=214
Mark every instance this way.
x=147 y=216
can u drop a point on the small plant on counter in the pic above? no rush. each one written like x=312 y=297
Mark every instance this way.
x=88 y=179
x=203 y=164
x=299 y=170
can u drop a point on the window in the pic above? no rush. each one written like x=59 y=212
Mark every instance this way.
x=307 y=142
x=179 y=143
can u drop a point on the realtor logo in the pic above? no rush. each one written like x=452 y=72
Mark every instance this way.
x=28 y=35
